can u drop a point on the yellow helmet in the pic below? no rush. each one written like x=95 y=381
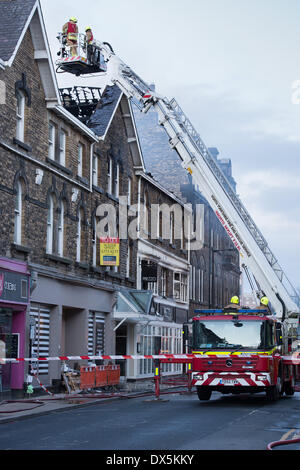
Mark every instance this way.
x=73 y=19
x=234 y=300
x=264 y=301
x=88 y=28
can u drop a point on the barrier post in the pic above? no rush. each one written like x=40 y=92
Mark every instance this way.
x=156 y=378
x=189 y=374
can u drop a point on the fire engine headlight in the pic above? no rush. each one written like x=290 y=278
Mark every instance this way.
x=261 y=377
x=198 y=377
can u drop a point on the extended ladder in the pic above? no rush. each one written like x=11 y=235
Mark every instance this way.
x=214 y=185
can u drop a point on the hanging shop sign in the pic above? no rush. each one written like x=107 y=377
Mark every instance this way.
x=149 y=272
x=13 y=287
x=109 y=251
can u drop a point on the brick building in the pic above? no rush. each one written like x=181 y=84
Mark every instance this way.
x=58 y=167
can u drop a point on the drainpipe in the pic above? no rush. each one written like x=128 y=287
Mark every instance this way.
x=91 y=165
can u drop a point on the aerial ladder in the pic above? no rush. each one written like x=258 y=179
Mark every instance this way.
x=256 y=255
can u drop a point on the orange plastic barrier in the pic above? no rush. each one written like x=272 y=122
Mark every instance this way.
x=101 y=376
x=87 y=377
x=113 y=375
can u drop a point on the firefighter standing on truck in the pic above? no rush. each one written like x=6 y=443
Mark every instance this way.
x=70 y=31
x=234 y=303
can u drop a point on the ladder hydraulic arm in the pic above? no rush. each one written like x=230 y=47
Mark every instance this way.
x=197 y=160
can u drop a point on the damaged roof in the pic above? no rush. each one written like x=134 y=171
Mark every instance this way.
x=14 y=15
x=105 y=110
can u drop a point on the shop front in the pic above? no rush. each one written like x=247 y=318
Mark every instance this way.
x=142 y=331
x=14 y=300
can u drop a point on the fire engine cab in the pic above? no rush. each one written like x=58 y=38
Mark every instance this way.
x=241 y=351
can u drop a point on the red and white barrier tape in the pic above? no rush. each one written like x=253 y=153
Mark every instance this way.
x=40 y=383
x=94 y=358
x=286 y=359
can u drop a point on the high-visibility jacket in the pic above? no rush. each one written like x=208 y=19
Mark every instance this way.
x=71 y=31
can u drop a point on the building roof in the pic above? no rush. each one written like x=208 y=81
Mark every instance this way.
x=14 y=15
x=105 y=110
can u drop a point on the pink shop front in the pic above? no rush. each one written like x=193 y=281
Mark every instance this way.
x=14 y=299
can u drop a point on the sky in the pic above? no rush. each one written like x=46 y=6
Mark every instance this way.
x=234 y=68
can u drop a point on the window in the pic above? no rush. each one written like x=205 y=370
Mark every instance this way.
x=169 y=340
x=62 y=147
x=18 y=215
x=201 y=285
x=164 y=277
x=117 y=181
x=129 y=192
x=128 y=261
x=80 y=240
x=109 y=175
x=50 y=226
x=20 y=116
x=180 y=286
x=95 y=170
x=80 y=160
x=61 y=230
x=51 y=141
x=172 y=227
x=94 y=241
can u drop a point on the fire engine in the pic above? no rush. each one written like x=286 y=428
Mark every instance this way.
x=244 y=350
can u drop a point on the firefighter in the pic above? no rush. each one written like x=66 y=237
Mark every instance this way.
x=234 y=303
x=70 y=31
x=88 y=42
x=264 y=304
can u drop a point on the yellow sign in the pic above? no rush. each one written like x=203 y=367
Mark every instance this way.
x=109 y=251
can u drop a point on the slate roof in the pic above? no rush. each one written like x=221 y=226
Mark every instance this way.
x=105 y=109
x=14 y=15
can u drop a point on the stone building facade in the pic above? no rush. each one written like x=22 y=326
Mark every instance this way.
x=57 y=173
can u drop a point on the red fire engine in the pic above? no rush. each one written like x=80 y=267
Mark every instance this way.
x=242 y=351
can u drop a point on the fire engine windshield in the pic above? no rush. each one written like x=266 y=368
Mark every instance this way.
x=212 y=334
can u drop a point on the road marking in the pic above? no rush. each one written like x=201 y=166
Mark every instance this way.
x=287 y=434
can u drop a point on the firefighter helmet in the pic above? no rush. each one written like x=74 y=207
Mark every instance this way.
x=264 y=301
x=234 y=300
x=73 y=19
x=88 y=28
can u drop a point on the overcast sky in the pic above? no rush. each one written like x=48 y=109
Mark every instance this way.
x=231 y=65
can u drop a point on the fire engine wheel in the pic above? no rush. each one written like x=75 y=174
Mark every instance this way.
x=273 y=393
x=289 y=388
x=204 y=393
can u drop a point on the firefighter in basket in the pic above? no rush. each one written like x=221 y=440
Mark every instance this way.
x=70 y=33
